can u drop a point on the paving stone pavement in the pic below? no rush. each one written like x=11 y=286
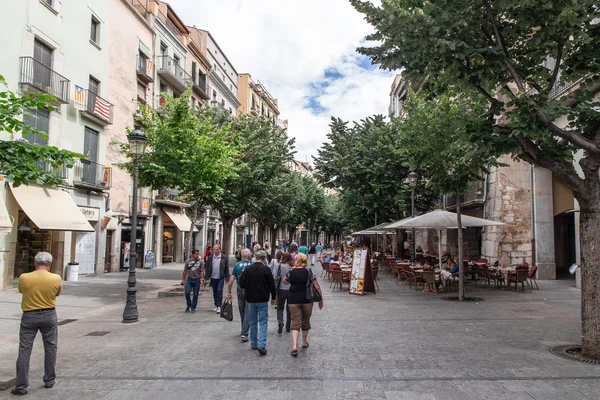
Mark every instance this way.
x=397 y=344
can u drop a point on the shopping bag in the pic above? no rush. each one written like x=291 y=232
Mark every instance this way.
x=227 y=310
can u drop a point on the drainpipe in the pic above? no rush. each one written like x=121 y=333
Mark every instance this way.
x=531 y=185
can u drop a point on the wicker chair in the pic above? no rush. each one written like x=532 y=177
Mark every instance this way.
x=520 y=276
x=532 y=277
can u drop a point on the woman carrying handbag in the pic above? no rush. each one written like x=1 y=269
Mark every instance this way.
x=304 y=290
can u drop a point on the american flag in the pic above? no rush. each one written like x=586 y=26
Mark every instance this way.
x=102 y=108
x=79 y=97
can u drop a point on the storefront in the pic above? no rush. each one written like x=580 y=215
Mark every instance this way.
x=126 y=246
x=175 y=224
x=44 y=222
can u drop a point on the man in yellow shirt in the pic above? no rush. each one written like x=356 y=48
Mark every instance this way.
x=39 y=289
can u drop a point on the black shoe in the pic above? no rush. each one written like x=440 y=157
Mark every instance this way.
x=262 y=352
x=288 y=329
x=280 y=328
x=187 y=309
x=49 y=385
x=254 y=347
x=18 y=393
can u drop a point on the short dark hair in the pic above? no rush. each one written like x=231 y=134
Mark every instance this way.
x=196 y=251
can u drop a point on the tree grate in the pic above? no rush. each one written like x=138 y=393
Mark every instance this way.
x=66 y=321
x=572 y=352
x=466 y=299
x=98 y=333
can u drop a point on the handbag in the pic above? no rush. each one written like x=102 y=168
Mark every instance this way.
x=312 y=294
x=227 y=310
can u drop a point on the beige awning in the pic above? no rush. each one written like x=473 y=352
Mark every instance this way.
x=51 y=209
x=5 y=223
x=180 y=220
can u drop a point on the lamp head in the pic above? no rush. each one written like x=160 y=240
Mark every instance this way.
x=137 y=142
x=413 y=179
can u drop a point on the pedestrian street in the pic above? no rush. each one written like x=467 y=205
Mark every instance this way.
x=396 y=344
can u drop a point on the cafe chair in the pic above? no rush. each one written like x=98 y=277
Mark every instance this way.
x=532 y=277
x=520 y=276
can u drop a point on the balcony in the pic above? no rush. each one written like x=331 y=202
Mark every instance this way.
x=473 y=197
x=61 y=171
x=559 y=88
x=97 y=109
x=145 y=69
x=170 y=70
x=91 y=175
x=254 y=110
x=140 y=5
x=35 y=76
x=144 y=206
x=200 y=86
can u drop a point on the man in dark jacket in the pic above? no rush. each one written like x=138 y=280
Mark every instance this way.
x=217 y=270
x=257 y=281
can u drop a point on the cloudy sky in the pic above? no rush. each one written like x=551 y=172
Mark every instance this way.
x=303 y=51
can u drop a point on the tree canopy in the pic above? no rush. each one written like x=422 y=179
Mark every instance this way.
x=23 y=162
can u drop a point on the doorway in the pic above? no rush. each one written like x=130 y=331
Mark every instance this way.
x=564 y=244
x=108 y=252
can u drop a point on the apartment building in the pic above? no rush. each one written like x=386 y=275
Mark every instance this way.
x=256 y=100
x=59 y=47
x=223 y=78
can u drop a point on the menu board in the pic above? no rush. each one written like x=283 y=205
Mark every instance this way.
x=85 y=251
x=359 y=266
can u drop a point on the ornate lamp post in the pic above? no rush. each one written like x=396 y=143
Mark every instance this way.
x=137 y=145
x=413 y=179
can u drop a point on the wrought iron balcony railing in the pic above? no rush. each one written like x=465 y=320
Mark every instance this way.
x=171 y=68
x=91 y=174
x=98 y=108
x=61 y=171
x=145 y=69
x=44 y=79
x=200 y=85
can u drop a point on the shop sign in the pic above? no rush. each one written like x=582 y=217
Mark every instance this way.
x=91 y=214
x=5 y=231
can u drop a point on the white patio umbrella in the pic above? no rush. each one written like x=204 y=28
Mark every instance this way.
x=440 y=219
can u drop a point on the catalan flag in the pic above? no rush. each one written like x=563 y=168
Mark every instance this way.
x=102 y=108
x=79 y=98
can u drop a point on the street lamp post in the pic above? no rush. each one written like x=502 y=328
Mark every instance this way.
x=137 y=144
x=413 y=179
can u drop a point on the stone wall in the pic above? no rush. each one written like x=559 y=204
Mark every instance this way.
x=508 y=200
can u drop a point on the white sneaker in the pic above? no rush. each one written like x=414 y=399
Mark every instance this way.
x=218 y=310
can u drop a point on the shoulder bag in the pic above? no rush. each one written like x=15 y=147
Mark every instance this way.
x=312 y=294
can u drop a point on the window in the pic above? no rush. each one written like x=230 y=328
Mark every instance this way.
x=49 y=2
x=194 y=72
x=214 y=95
x=176 y=60
x=39 y=119
x=163 y=49
x=90 y=144
x=193 y=103
x=95 y=30
x=42 y=53
x=94 y=85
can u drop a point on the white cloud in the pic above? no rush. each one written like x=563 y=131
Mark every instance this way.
x=288 y=45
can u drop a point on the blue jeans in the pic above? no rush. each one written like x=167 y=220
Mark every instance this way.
x=192 y=285
x=258 y=314
x=243 y=309
x=217 y=287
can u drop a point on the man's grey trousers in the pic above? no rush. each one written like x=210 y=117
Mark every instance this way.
x=31 y=322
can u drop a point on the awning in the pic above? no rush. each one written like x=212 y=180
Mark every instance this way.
x=5 y=223
x=50 y=209
x=180 y=220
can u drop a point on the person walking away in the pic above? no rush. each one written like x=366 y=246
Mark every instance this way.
x=274 y=267
x=312 y=254
x=217 y=270
x=40 y=289
x=258 y=283
x=303 y=249
x=193 y=276
x=283 y=290
x=238 y=270
x=319 y=249
x=293 y=250
x=238 y=253
x=300 y=308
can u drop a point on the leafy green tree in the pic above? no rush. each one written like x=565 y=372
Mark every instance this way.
x=20 y=161
x=516 y=53
x=188 y=151
x=365 y=164
x=265 y=152
x=437 y=137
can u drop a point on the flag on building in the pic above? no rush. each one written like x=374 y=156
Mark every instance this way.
x=102 y=108
x=79 y=98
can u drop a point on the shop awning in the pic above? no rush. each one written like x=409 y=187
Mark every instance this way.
x=51 y=209
x=180 y=220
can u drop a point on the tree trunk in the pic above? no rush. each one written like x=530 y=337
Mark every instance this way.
x=227 y=227
x=272 y=241
x=291 y=233
x=590 y=273
x=461 y=266
x=191 y=235
x=261 y=234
